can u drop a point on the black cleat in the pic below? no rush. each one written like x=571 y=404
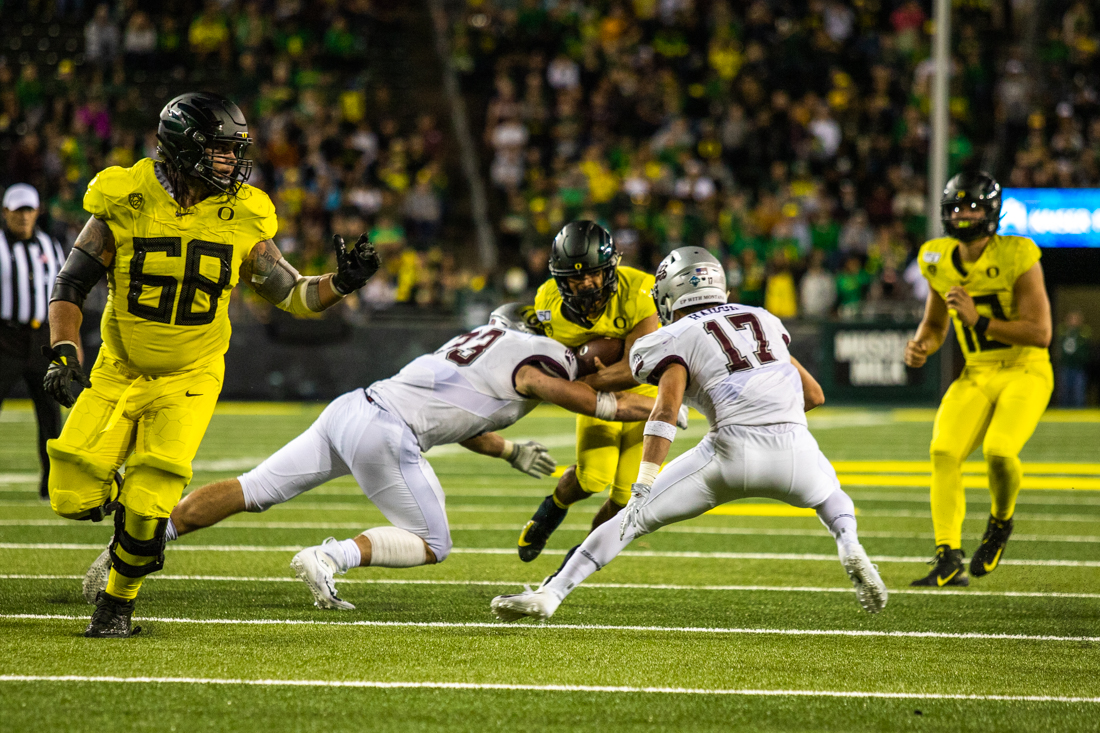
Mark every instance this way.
x=988 y=554
x=111 y=618
x=948 y=569
x=537 y=532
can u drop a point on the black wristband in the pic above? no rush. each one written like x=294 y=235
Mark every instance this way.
x=981 y=325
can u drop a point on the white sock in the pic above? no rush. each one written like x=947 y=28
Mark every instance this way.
x=598 y=549
x=345 y=553
x=170 y=533
x=838 y=513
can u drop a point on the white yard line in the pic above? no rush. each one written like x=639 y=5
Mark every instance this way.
x=636 y=586
x=430 y=685
x=511 y=550
x=577 y=627
x=675 y=529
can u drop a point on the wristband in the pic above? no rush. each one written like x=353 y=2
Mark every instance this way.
x=606 y=406
x=660 y=429
x=647 y=473
x=981 y=325
x=506 y=451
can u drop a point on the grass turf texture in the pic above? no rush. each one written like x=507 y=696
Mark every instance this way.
x=488 y=503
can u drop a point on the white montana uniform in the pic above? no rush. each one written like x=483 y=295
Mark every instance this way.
x=740 y=376
x=464 y=389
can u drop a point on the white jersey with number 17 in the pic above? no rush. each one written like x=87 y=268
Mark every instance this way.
x=467 y=387
x=739 y=369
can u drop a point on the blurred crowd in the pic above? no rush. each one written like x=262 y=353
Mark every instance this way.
x=336 y=151
x=788 y=137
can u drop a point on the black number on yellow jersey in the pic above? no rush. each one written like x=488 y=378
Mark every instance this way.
x=977 y=341
x=193 y=281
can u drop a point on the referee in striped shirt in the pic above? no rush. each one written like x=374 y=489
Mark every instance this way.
x=29 y=262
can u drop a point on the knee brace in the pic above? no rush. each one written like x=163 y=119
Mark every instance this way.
x=153 y=547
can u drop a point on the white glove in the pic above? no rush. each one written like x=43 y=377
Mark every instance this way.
x=682 y=418
x=638 y=495
x=532 y=458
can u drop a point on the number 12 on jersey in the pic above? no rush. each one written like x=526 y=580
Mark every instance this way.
x=736 y=361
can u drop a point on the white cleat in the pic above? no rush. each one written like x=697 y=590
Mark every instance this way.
x=317 y=570
x=870 y=590
x=538 y=604
x=95 y=579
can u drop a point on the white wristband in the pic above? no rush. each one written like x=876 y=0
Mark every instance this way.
x=660 y=429
x=506 y=451
x=606 y=406
x=647 y=473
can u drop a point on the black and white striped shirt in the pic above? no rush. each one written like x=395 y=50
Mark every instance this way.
x=27 y=273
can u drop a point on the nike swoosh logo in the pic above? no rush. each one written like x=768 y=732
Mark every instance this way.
x=188 y=394
x=989 y=566
x=523 y=535
x=944 y=581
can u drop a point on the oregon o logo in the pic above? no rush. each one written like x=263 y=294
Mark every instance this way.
x=225 y=213
x=620 y=322
x=993 y=272
x=578 y=265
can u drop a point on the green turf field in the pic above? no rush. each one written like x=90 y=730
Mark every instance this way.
x=740 y=619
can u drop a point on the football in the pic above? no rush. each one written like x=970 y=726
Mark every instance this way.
x=607 y=350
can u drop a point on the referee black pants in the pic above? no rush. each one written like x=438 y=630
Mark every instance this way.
x=21 y=358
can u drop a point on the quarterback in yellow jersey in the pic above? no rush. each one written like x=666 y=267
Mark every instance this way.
x=173 y=236
x=589 y=297
x=992 y=287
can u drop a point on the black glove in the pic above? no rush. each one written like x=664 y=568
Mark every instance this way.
x=355 y=267
x=64 y=369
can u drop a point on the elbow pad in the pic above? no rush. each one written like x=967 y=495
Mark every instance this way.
x=80 y=273
x=304 y=297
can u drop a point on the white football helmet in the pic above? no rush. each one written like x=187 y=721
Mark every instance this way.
x=688 y=276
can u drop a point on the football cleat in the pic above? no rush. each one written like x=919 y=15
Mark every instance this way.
x=316 y=569
x=989 y=553
x=948 y=569
x=538 y=604
x=870 y=590
x=95 y=578
x=111 y=618
x=536 y=533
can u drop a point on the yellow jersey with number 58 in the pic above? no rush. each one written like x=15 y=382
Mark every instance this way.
x=173 y=268
x=990 y=281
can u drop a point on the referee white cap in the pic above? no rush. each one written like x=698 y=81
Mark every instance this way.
x=19 y=195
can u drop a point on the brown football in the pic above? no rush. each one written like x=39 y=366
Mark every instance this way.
x=609 y=351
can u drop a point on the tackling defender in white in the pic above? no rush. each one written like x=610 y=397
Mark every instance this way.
x=731 y=363
x=474 y=384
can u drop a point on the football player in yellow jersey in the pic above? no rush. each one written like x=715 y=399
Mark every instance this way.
x=173 y=237
x=992 y=287
x=589 y=297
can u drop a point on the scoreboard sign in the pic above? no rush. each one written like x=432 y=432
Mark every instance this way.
x=865 y=362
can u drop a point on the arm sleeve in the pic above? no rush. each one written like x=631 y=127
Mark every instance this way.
x=652 y=354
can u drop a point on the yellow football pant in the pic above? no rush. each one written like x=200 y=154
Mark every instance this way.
x=155 y=422
x=608 y=454
x=999 y=406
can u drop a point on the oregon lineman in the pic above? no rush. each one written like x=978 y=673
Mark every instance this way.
x=992 y=287
x=589 y=296
x=173 y=237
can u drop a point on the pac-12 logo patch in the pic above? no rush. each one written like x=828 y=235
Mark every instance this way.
x=136 y=200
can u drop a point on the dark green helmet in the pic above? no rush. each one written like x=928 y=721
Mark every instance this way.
x=584 y=247
x=516 y=317
x=976 y=190
x=193 y=122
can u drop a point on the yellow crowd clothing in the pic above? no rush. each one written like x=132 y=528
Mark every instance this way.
x=1002 y=392
x=608 y=453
